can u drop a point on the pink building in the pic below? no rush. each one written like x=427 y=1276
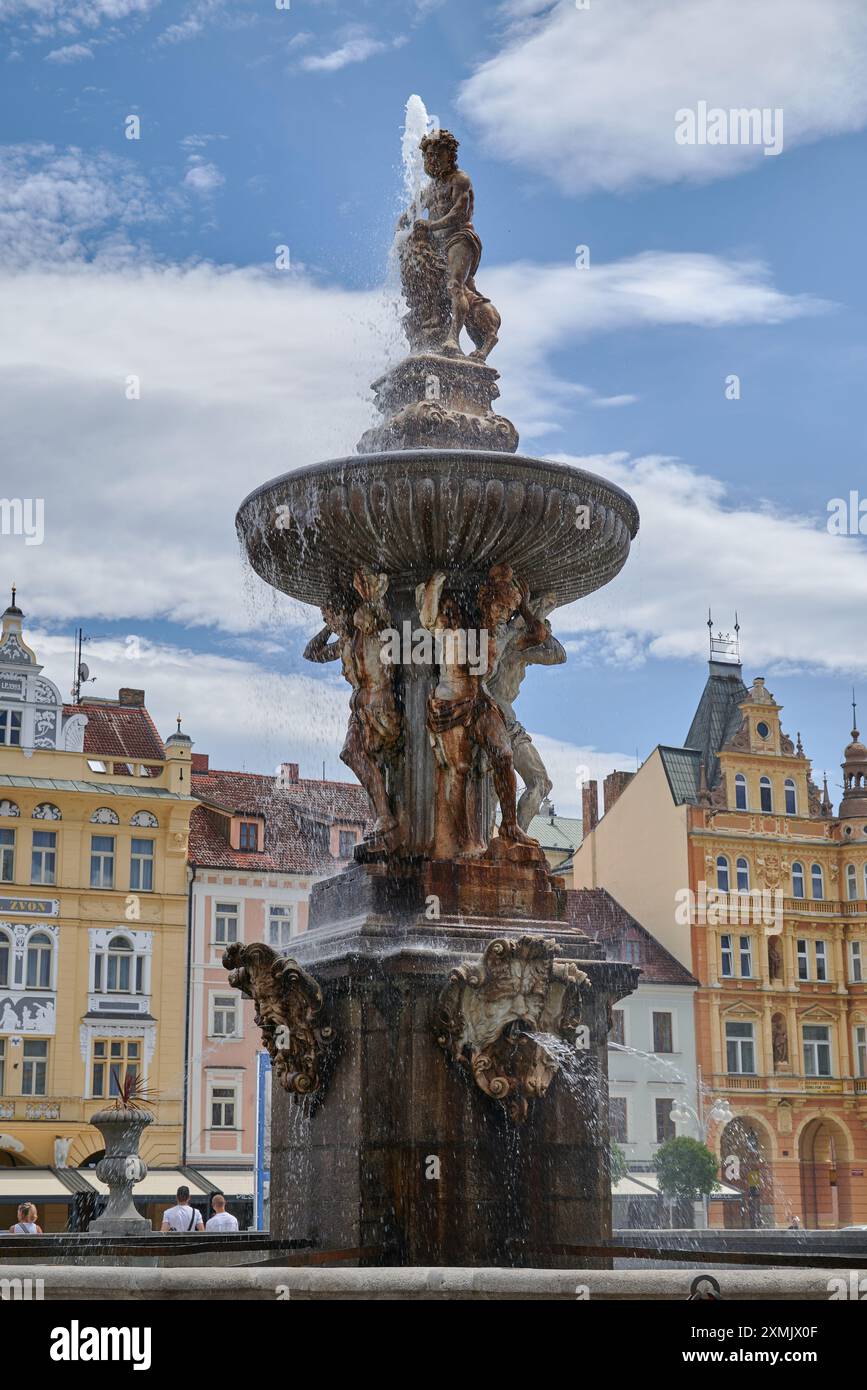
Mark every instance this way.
x=257 y=846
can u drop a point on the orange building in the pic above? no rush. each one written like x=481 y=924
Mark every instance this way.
x=761 y=891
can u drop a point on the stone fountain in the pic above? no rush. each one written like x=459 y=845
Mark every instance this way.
x=441 y=1032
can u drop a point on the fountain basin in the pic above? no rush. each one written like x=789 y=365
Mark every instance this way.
x=409 y=513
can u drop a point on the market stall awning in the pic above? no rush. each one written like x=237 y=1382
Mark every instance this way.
x=160 y=1183
x=231 y=1182
x=632 y=1187
x=32 y=1185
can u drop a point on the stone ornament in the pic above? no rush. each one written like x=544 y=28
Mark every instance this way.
x=289 y=1012
x=492 y=1015
x=105 y=816
x=46 y=810
x=9 y=808
x=145 y=820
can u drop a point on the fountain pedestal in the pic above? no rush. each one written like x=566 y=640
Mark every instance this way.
x=404 y=1155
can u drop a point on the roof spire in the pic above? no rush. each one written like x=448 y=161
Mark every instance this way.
x=724 y=646
x=854 y=716
x=178 y=718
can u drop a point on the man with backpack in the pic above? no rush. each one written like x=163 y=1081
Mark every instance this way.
x=182 y=1218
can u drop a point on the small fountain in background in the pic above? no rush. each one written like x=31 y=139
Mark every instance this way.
x=443 y=1030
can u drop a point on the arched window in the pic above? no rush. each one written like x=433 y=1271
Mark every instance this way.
x=743 y=869
x=797 y=880
x=740 y=792
x=817 y=881
x=791 y=797
x=38 y=961
x=851 y=883
x=722 y=873
x=767 y=801
x=5 y=958
x=119 y=963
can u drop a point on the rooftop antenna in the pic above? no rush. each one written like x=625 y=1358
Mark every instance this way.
x=81 y=672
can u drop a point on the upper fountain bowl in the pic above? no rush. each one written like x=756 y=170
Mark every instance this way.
x=409 y=513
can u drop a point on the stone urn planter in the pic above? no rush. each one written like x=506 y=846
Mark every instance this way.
x=121 y=1127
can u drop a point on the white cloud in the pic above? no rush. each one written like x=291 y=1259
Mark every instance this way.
x=570 y=765
x=800 y=592
x=204 y=178
x=72 y=53
x=588 y=97
x=357 y=47
x=40 y=19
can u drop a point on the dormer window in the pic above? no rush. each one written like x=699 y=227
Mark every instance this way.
x=248 y=835
x=10 y=727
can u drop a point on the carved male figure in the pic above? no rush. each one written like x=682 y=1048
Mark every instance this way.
x=517 y=647
x=375 y=730
x=463 y=720
x=448 y=199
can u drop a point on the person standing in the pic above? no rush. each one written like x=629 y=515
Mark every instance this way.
x=222 y=1220
x=182 y=1218
x=26 y=1224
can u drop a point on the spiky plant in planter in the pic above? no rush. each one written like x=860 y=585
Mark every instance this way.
x=121 y=1125
x=134 y=1094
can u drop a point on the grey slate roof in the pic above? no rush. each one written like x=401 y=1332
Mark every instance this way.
x=717 y=718
x=557 y=832
x=683 y=770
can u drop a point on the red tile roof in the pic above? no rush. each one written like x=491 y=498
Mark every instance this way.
x=601 y=917
x=117 y=731
x=297 y=820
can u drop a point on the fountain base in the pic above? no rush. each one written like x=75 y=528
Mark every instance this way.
x=404 y=1156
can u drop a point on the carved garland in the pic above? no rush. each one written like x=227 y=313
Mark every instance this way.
x=289 y=1012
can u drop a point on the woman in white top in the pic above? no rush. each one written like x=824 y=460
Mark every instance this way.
x=26 y=1224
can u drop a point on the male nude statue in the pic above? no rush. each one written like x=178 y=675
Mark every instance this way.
x=375 y=723
x=462 y=718
x=448 y=200
x=514 y=655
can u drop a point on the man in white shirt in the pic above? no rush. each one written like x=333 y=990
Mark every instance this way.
x=183 y=1218
x=222 y=1220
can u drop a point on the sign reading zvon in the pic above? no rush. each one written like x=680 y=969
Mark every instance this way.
x=36 y=907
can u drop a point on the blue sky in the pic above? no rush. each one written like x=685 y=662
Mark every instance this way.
x=263 y=126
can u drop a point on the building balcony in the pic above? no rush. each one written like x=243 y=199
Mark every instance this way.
x=74 y=1109
x=784 y=1083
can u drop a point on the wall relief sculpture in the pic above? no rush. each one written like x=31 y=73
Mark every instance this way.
x=503 y=1018
x=289 y=1012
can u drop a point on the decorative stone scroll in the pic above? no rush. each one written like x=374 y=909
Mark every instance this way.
x=492 y=1015
x=289 y=1012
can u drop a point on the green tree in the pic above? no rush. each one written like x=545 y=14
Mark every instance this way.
x=686 y=1169
x=617 y=1164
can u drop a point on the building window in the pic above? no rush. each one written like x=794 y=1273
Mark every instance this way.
x=102 y=861
x=856 y=968
x=248 y=835
x=791 y=797
x=727 y=964
x=35 y=1069
x=865 y=878
x=141 y=866
x=617 y=1031
x=722 y=873
x=224 y=1016
x=860 y=1052
x=280 y=919
x=43 y=862
x=740 y=792
x=5 y=958
x=766 y=800
x=617 y=1121
x=225 y=923
x=224 y=1100
x=821 y=961
x=740 y=1049
x=851 y=883
x=743 y=871
x=817 y=882
x=803 y=961
x=39 y=950
x=797 y=880
x=746 y=957
x=7 y=856
x=2 y=1066
x=114 y=1061
x=663 y=1035
x=348 y=841
x=817 y=1050
x=10 y=727
x=664 y=1123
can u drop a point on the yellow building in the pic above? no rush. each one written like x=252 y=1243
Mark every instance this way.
x=94 y=822
x=741 y=868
